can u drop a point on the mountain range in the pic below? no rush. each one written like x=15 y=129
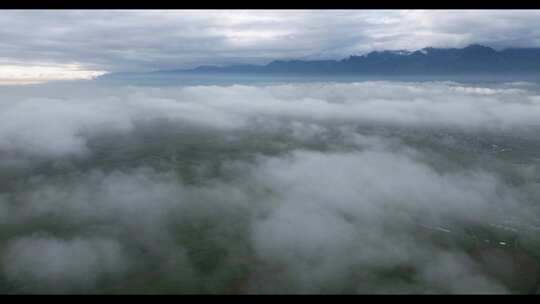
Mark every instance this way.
x=473 y=59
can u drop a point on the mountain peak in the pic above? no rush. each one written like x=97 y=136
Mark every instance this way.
x=478 y=47
x=474 y=58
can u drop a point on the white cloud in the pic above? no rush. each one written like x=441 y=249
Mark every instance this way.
x=342 y=211
x=47 y=264
x=56 y=126
x=148 y=40
x=315 y=218
x=278 y=188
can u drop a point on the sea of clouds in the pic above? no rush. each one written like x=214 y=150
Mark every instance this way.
x=292 y=188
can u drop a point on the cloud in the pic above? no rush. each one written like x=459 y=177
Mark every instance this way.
x=325 y=188
x=64 y=123
x=97 y=40
x=318 y=234
x=48 y=264
x=455 y=29
x=314 y=230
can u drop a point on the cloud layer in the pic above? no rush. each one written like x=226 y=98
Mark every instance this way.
x=57 y=126
x=299 y=188
x=97 y=40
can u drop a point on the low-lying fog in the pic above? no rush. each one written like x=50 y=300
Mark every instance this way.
x=368 y=187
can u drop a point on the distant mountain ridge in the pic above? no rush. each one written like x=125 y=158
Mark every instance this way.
x=474 y=58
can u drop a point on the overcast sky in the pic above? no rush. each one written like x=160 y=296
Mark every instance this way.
x=75 y=44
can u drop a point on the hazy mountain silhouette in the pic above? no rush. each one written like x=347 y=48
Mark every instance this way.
x=473 y=59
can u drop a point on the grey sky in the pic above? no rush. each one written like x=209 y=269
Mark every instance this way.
x=140 y=40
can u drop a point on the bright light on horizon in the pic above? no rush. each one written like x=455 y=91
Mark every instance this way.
x=35 y=74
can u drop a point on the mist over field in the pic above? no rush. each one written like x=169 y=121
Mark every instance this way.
x=322 y=187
